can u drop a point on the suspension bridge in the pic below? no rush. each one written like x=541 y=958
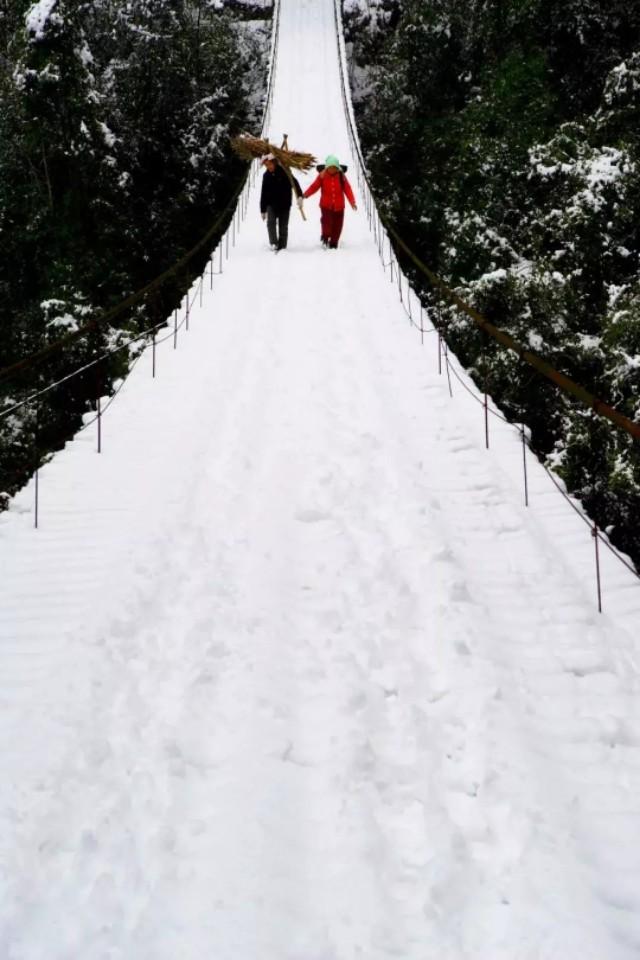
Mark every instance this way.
x=289 y=669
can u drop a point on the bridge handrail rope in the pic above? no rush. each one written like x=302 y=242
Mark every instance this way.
x=240 y=211
x=177 y=269
x=566 y=383
x=142 y=335
x=171 y=335
x=541 y=366
x=554 y=479
x=174 y=270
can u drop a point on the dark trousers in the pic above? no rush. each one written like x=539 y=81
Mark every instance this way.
x=331 y=225
x=278 y=226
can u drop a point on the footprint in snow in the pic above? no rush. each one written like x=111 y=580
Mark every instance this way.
x=311 y=516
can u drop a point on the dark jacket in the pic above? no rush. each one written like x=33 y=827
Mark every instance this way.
x=276 y=190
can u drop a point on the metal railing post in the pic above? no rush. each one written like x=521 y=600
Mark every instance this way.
x=595 y=533
x=524 y=467
x=36 y=504
x=99 y=419
x=485 y=404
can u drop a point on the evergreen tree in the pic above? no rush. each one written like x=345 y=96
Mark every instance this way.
x=115 y=117
x=502 y=139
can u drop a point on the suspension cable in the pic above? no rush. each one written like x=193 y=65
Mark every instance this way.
x=585 y=397
x=174 y=270
x=541 y=366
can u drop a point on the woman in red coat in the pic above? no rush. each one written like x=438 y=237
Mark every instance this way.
x=333 y=187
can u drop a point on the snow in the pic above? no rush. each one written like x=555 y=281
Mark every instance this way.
x=606 y=166
x=109 y=136
x=603 y=168
x=39 y=16
x=289 y=671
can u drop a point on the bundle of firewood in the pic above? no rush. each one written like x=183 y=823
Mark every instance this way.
x=253 y=148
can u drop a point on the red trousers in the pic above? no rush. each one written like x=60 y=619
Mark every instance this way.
x=331 y=225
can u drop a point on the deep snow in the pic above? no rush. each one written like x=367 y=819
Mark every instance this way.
x=289 y=671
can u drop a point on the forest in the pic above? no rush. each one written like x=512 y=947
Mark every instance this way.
x=115 y=119
x=502 y=140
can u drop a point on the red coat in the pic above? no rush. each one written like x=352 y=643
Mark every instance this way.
x=333 y=188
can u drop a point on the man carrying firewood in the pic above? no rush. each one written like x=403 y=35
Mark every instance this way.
x=275 y=201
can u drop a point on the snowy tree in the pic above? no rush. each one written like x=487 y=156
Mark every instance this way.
x=115 y=118
x=502 y=139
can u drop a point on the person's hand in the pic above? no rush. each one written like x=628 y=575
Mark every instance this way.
x=355 y=208
x=264 y=216
x=300 y=201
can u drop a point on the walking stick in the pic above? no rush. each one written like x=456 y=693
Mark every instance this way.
x=285 y=146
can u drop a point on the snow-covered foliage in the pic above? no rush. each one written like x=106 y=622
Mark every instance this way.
x=41 y=17
x=503 y=141
x=115 y=118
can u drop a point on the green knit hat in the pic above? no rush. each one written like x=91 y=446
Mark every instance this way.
x=332 y=161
